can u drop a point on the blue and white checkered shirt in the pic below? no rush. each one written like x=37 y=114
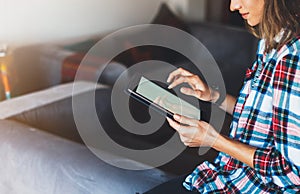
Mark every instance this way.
x=267 y=116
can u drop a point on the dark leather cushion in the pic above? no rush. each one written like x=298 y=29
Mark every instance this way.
x=165 y=16
x=134 y=55
x=233 y=49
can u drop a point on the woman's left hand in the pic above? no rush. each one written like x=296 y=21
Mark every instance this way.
x=194 y=133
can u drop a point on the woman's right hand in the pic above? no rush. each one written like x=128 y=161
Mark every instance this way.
x=198 y=88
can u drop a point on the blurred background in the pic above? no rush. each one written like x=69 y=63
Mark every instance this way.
x=27 y=26
x=39 y=21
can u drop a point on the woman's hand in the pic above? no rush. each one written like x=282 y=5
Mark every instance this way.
x=194 y=133
x=198 y=89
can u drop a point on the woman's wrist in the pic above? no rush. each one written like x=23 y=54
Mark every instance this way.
x=217 y=98
x=221 y=99
x=219 y=142
x=214 y=95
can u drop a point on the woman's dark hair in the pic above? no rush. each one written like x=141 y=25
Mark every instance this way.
x=278 y=15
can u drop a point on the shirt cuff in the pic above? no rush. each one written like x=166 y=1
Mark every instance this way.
x=261 y=160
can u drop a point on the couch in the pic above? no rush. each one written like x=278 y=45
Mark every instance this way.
x=44 y=151
x=41 y=152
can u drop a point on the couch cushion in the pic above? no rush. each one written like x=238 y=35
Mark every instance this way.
x=91 y=68
x=37 y=162
x=233 y=49
x=165 y=16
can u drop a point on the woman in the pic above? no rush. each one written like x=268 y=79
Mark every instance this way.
x=262 y=154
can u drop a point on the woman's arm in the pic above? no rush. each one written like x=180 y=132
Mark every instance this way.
x=280 y=161
x=194 y=133
x=235 y=149
x=227 y=105
x=268 y=162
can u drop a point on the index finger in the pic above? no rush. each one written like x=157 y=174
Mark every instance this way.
x=185 y=120
x=177 y=126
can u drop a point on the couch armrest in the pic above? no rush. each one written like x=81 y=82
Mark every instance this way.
x=50 y=109
x=18 y=105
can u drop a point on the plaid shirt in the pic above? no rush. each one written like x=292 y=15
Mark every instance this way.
x=267 y=116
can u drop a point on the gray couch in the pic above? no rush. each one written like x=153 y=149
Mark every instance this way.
x=50 y=159
x=43 y=152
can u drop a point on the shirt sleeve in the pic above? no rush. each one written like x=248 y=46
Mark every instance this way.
x=282 y=162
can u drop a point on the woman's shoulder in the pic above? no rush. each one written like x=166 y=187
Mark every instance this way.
x=291 y=48
x=294 y=44
x=288 y=57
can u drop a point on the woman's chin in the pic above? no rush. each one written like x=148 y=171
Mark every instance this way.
x=252 y=23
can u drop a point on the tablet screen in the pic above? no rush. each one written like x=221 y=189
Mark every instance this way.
x=166 y=99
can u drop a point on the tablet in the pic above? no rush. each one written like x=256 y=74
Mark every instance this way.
x=162 y=100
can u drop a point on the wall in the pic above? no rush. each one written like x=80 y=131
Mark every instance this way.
x=37 y=21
